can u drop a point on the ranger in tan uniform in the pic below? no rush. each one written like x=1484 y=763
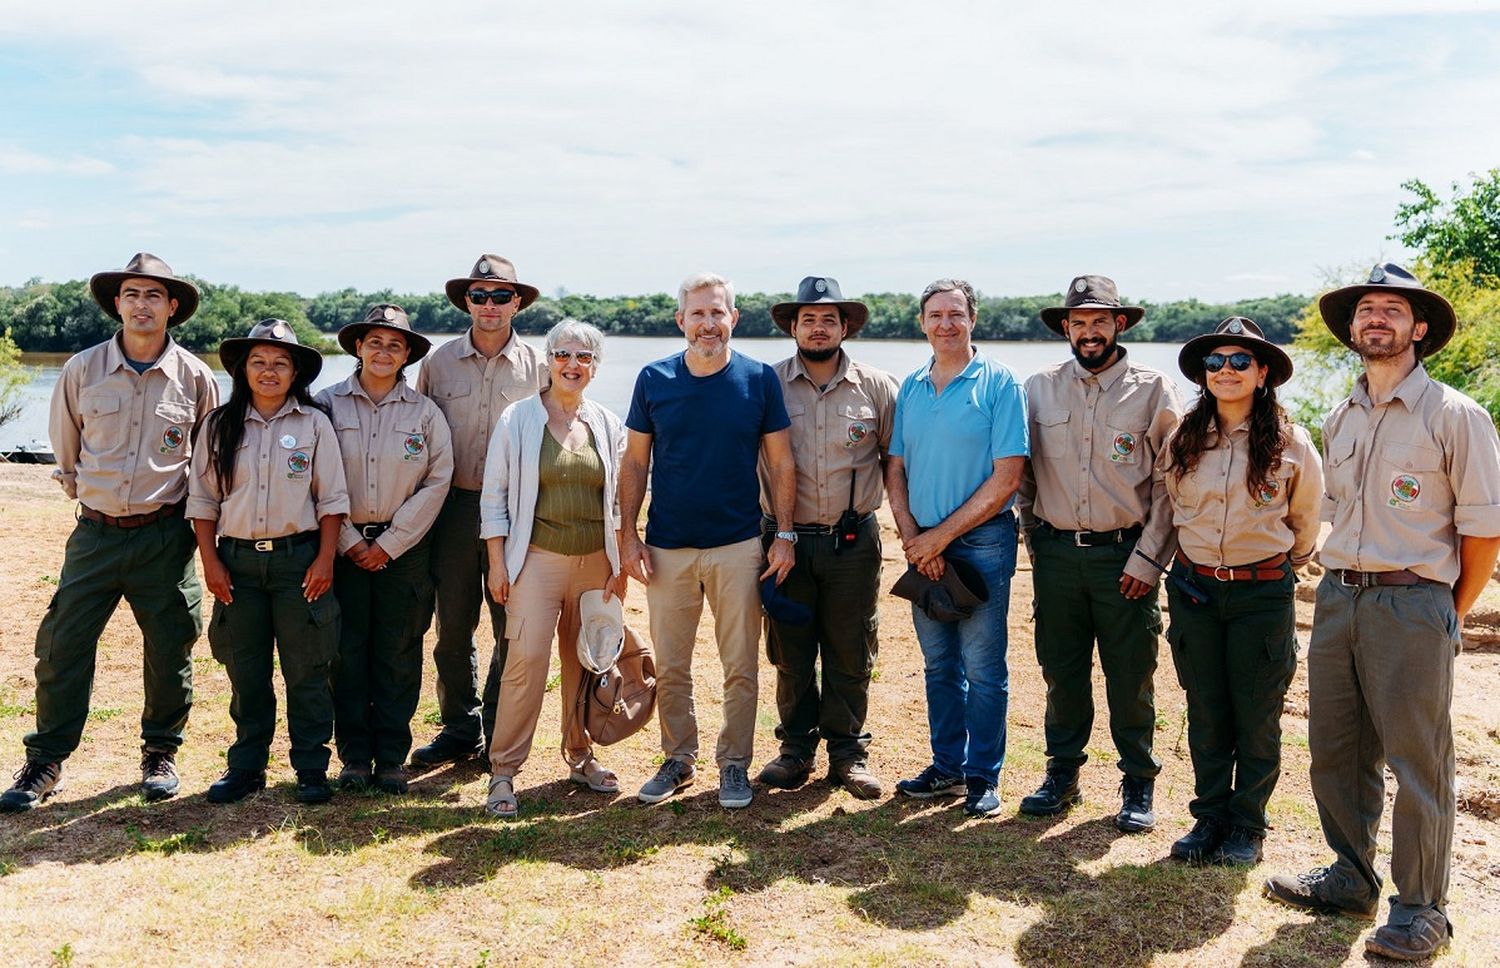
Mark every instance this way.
x=841 y=413
x=125 y=415
x=1412 y=473
x=1098 y=530
x=472 y=379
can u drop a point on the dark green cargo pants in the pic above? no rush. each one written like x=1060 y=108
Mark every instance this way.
x=379 y=676
x=459 y=568
x=1078 y=602
x=151 y=567
x=1235 y=656
x=842 y=589
x=269 y=613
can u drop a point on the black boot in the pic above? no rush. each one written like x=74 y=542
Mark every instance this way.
x=1241 y=848
x=1135 y=816
x=235 y=785
x=1201 y=842
x=1058 y=792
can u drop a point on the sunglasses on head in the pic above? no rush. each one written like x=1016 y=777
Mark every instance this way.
x=498 y=296
x=1214 y=362
x=584 y=357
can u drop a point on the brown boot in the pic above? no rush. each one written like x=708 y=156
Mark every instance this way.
x=857 y=779
x=785 y=772
x=1417 y=940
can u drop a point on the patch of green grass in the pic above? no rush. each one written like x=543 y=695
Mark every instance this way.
x=16 y=709
x=63 y=956
x=512 y=842
x=484 y=959
x=628 y=850
x=433 y=716
x=48 y=580
x=714 y=922
x=194 y=838
x=8 y=867
x=104 y=714
x=553 y=681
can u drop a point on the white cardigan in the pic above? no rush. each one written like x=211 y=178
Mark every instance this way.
x=507 y=504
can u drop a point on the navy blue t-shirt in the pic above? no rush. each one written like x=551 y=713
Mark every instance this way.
x=705 y=439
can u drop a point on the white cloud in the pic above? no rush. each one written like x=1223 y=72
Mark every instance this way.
x=19 y=161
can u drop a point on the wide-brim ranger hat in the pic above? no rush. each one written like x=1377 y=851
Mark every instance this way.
x=1337 y=307
x=1235 y=331
x=820 y=291
x=271 y=332
x=951 y=598
x=601 y=630
x=105 y=286
x=1090 y=292
x=385 y=316
x=489 y=268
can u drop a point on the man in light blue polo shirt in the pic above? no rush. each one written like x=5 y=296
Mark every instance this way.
x=957 y=451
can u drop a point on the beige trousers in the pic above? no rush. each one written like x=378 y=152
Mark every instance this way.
x=728 y=577
x=543 y=600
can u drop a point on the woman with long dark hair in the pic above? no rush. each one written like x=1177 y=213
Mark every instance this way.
x=1245 y=485
x=267 y=499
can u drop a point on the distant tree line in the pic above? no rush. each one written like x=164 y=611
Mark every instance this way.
x=62 y=316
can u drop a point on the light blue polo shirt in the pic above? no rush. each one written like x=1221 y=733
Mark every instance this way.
x=949 y=440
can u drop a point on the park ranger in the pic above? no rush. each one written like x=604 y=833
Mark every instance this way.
x=125 y=414
x=472 y=379
x=1098 y=532
x=841 y=413
x=1412 y=475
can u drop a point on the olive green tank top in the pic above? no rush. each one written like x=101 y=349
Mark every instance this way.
x=570 y=499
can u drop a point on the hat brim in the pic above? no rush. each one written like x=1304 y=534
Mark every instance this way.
x=415 y=341
x=1337 y=310
x=232 y=353
x=1056 y=316
x=1277 y=362
x=105 y=287
x=854 y=314
x=456 y=288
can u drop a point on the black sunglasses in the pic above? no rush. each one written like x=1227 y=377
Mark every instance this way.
x=498 y=296
x=1214 y=362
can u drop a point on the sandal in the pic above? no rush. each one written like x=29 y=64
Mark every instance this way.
x=502 y=802
x=592 y=774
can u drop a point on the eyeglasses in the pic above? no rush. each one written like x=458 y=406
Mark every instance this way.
x=498 y=296
x=1214 y=362
x=584 y=357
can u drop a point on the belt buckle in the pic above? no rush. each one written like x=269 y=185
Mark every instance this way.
x=265 y=544
x=1228 y=572
x=1078 y=541
x=1363 y=581
x=365 y=529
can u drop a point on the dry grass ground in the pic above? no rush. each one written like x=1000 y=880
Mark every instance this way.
x=805 y=877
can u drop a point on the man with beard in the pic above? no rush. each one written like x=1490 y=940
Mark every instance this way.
x=1098 y=532
x=698 y=420
x=1412 y=475
x=841 y=413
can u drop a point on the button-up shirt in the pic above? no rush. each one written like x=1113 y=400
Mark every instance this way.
x=123 y=440
x=1094 y=440
x=472 y=389
x=1407 y=478
x=398 y=461
x=838 y=430
x=1218 y=520
x=287 y=475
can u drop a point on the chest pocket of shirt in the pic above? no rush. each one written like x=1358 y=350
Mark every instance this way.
x=859 y=424
x=511 y=392
x=409 y=443
x=451 y=389
x=99 y=405
x=1125 y=436
x=1274 y=491
x=177 y=420
x=103 y=424
x=1052 y=434
x=1410 y=476
x=1340 y=472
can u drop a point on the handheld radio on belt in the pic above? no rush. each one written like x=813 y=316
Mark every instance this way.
x=848 y=527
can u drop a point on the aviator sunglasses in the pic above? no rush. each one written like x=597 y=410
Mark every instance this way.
x=1214 y=362
x=584 y=357
x=499 y=297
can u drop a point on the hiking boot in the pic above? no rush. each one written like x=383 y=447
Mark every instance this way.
x=446 y=748
x=1135 y=816
x=1058 y=792
x=35 y=782
x=355 y=776
x=1315 y=891
x=1200 y=843
x=1242 y=848
x=734 y=787
x=1424 y=936
x=857 y=779
x=392 y=778
x=982 y=799
x=673 y=776
x=931 y=783
x=158 y=775
x=236 y=784
x=786 y=772
x=312 y=787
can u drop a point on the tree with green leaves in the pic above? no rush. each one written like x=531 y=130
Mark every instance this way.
x=13 y=378
x=1460 y=235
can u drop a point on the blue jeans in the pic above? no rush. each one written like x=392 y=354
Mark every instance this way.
x=968 y=682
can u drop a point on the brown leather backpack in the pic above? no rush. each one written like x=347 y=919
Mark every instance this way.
x=615 y=704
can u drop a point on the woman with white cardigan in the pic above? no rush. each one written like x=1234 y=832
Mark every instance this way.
x=550 y=518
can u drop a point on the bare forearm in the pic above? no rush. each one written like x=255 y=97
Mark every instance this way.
x=1476 y=565
x=632 y=494
x=896 y=494
x=984 y=503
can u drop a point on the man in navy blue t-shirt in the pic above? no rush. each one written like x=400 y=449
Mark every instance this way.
x=700 y=420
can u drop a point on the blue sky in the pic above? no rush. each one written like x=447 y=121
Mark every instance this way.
x=1217 y=151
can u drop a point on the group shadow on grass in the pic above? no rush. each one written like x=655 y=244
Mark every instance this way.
x=907 y=866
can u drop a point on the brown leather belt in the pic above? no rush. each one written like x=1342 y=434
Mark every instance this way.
x=130 y=520
x=1368 y=579
x=1268 y=570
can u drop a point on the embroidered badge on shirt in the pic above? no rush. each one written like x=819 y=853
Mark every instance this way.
x=1267 y=494
x=298 y=463
x=1125 y=445
x=288 y=441
x=1405 y=489
x=415 y=444
x=171 y=439
x=858 y=430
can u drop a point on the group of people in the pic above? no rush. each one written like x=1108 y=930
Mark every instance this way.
x=333 y=529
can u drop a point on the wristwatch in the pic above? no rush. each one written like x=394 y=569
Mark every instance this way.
x=788 y=536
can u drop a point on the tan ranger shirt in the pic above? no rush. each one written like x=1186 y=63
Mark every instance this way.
x=472 y=390
x=1218 y=520
x=398 y=461
x=1405 y=479
x=287 y=475
x=840 y=430
x=123 y=440
x=1094 y=441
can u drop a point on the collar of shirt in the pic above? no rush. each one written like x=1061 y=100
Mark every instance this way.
x=1408 y=391
x=292 y=404
x=467 y=347
x=351 y=387
x=115 y=355
x=1108 y=376
x=970 y=372
x=844 y=372
x=1243 y=427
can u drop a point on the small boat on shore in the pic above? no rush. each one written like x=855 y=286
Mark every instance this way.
x=35 y=452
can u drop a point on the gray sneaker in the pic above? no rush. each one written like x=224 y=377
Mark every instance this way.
x=673 y=776
x=734 y=787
